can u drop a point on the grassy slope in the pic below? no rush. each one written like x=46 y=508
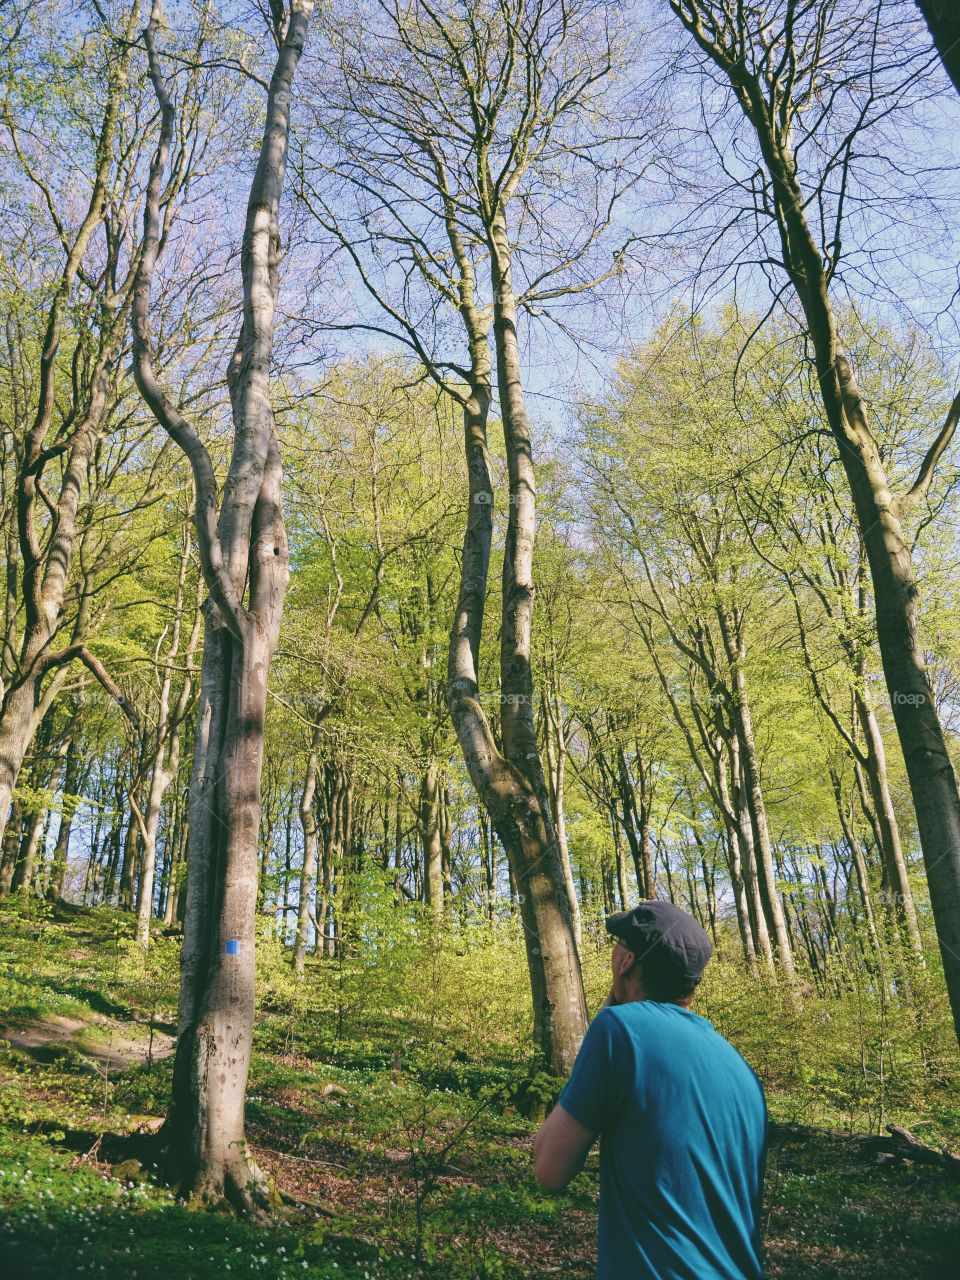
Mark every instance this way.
x=401 y=1156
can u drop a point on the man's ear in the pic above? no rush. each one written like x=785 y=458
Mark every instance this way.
x=625 y=962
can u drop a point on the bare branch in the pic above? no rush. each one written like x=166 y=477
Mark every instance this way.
x=933 y=455
x=80 y=653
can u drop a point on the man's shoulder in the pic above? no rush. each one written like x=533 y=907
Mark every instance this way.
x=653 y=1022
x=635 y=1011
x=670 y=1040
x=640 y=1022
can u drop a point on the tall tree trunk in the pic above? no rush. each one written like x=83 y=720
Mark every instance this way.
x=709 y=885
x=744 y=832
x=349 y=861
x=326 y=904
x=735 y=870
x=16 y=719
x=27 y=856
x=114 y=842
x=518 y=807
x=771 y=900
x=8 y=644
x=898 y=896
x=489 y=856
x=166 y=750
x=621 y=869
x=11 y=845
x=171 y=862
x=556 y=750
x=753 y=790
x=720 y=752
x=869 y=762
x=128 y=869
x=179 y=834
x=45 y=566
x=428 y=815
x=880 y=513
x=243 y=549
x=148 y=825
x=446 y=845
x=335 y=887
x=943 y=20
x=636 y=827
x=643 y=811
x=308 y=874
x=859 y=864
x=204 y=1124
x=42 y=776
x=72 y=781
x=549 y=923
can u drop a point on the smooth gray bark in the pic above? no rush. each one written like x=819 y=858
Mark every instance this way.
x=244 y=554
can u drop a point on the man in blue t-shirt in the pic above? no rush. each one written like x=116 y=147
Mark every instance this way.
x=682 y=1117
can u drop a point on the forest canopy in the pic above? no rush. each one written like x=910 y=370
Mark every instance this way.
x=467 y=468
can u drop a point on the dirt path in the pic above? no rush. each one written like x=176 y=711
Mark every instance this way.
x=110 y=1046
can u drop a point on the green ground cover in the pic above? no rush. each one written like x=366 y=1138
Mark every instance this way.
x=391 y=1102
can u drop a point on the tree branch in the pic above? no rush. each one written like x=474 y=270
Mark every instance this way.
x=80 y=653
x=173 y=422
x=933 y=456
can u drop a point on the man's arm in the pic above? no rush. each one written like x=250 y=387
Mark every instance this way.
x=559 y=1149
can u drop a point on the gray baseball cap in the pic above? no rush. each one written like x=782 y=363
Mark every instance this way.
x=665 y=935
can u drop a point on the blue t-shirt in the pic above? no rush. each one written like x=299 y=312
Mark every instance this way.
x=683 y=1132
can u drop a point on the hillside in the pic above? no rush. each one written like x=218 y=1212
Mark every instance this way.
x=400 y=1149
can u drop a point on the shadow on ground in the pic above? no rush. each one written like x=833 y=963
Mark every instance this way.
x=172 y=1243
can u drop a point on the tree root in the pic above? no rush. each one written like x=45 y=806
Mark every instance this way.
x=240 y=1186
x=237 y=1186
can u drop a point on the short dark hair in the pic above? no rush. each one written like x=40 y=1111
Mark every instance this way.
x=662 y=980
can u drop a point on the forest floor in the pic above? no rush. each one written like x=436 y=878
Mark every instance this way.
x=396 y=1159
